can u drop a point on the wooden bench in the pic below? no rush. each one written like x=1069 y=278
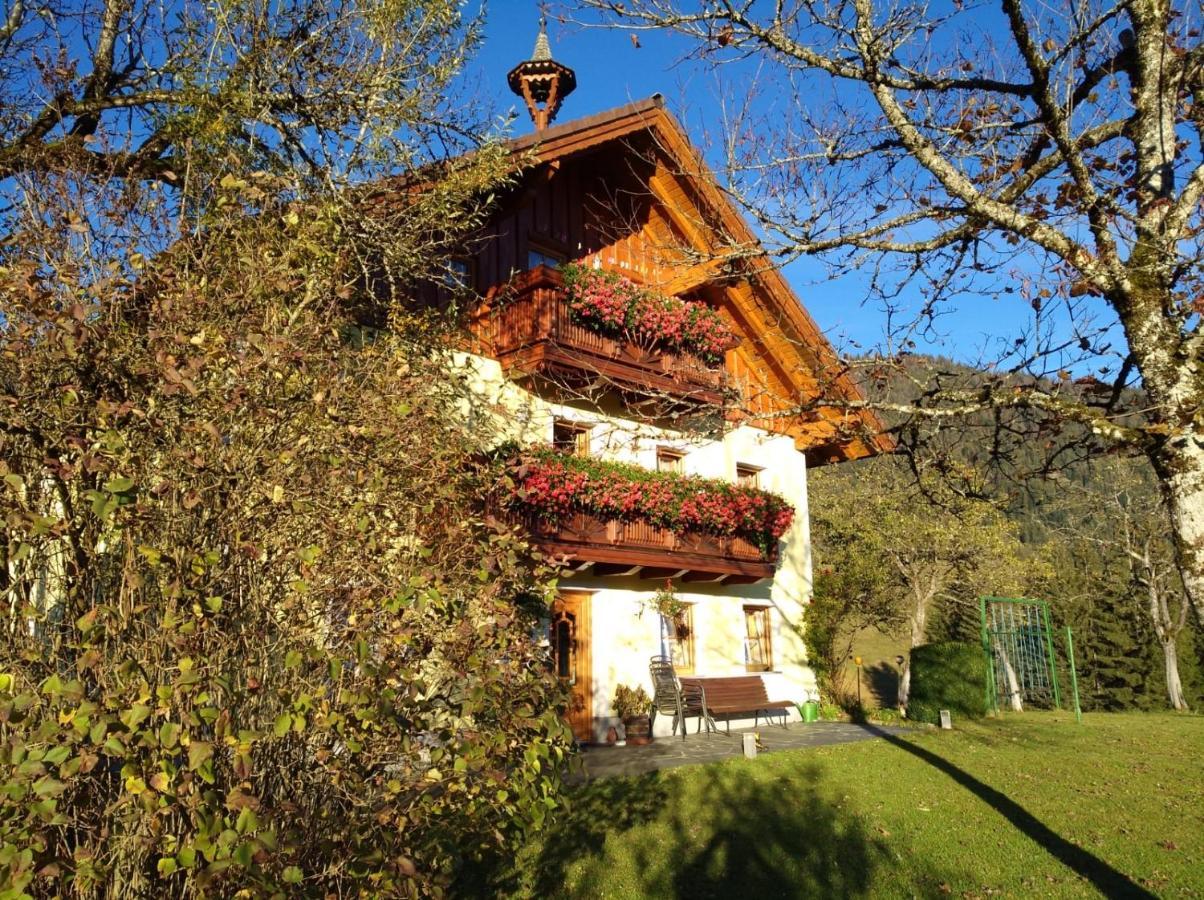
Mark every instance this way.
x=737 y=694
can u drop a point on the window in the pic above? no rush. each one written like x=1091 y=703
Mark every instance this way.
x=458 y=275
x=562 y=649
x=758 y=654
x=537 y=257
x=677 y=638
x=571 y=437
x=748 y=476
x=668 y=460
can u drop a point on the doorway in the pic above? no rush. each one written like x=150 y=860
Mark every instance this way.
x=572 y=660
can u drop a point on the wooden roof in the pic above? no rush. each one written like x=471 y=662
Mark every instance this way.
x=783 y=336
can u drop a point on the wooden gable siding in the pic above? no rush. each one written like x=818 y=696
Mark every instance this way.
x=571 y=212
x=626 y=204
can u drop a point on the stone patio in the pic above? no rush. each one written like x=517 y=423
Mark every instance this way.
x=666 y=753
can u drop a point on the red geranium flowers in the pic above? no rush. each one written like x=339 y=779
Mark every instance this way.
x=553 y=485
x=613 y=305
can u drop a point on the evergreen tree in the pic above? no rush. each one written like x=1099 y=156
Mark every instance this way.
x=1120 y=668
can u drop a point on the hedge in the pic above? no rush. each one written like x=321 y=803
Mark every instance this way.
x=949 y=675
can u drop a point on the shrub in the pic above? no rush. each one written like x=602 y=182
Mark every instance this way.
x=883 y=715
x=950 y=675
x=831 y=712
x=258 y=638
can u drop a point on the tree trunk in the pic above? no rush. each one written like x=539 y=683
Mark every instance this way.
x=1180 y=466
x=1174 y=687
x=1011 y=682
x=919 y=626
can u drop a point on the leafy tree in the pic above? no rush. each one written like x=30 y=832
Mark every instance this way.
x=134 y=90
x=1047 y=154
x=259 y=636
x=259 y=633
x=1129 y=520
x=1113 y=528
x=878 y=533
x=850 y=592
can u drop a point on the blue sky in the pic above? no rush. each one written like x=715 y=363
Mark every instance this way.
x=611 y=71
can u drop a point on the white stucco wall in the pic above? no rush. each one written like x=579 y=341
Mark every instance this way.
x=624 y=636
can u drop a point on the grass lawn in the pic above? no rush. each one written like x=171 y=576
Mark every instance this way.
x=1027 y=805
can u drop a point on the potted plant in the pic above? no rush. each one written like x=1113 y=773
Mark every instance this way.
x=633 y=706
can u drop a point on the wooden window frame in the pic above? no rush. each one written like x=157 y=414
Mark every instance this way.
x=581 y=432
x=669 y=454
x=552 y=257
x=453 y=279
x=672 y=641
x=748 y=475
x=766 y=639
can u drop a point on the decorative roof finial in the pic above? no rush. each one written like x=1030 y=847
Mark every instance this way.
x=541 y=81
x=543 y=50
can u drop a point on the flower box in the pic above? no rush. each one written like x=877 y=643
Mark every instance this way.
x=615 y=306
x=661 y=510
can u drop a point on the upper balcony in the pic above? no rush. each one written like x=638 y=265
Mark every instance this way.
x=528 y=327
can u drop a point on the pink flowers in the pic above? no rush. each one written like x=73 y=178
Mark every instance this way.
x=616 y=306
x=553 y=485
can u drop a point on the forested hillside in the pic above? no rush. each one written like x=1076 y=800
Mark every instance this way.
x=997 y=506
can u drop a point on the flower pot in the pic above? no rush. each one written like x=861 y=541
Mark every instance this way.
x=639 y=730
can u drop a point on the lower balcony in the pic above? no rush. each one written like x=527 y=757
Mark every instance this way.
x=612 y=547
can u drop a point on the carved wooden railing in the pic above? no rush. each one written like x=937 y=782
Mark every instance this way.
x=528 y=326
x=586 y=537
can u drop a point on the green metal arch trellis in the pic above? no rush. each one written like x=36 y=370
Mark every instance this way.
x=1017 y=637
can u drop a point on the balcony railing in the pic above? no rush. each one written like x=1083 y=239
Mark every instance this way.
x=529 y=328
x=615 y=547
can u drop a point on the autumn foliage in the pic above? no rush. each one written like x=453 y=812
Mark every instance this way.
x=258 y=635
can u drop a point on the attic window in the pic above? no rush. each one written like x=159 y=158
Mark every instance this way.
x=537 y=257
x=458 y=274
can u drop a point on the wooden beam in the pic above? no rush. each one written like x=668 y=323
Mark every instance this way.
x=662 y=572
x=608 y=569
x=743 y=579
x=690 y=278
x=702 y=577
x=641 y=556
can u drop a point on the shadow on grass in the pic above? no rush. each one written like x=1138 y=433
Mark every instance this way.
x=883 y=682
x=1107 y=880
x=715 y=831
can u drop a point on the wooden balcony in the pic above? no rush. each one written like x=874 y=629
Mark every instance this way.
x=528 y=328
x=611 y=547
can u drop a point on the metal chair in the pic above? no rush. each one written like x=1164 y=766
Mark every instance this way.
x=669 y=695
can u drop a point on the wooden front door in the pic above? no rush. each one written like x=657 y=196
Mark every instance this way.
x=571 y=659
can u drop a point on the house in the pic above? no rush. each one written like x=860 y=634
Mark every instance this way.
x=624 y=199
